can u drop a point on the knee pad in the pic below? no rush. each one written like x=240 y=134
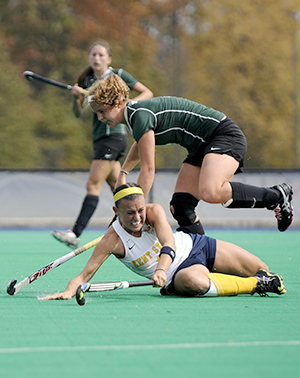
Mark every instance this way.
x=183 y=211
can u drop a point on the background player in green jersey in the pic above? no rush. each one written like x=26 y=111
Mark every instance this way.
x=109 y=144
x=216 y=151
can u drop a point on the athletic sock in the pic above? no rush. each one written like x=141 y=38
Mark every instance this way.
x=89 y=205
x=249 y=196
x=224 y=285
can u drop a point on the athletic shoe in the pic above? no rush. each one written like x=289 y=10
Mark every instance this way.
x=67 y=237
x=284 y=211
x=168 y=290
x=269 y=283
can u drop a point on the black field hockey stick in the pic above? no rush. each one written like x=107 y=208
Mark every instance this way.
x=106 y=286
x=14 y=288
x=31 y=75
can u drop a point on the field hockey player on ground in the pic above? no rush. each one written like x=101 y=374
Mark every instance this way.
x=216 y=151
x=183 y=264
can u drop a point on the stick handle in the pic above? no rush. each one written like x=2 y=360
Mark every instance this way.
x=87 y=246
x=12 y=288
x=141 y=283
x=106 y=286
x=31 y=75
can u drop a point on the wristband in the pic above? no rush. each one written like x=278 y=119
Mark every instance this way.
x=125 y=173
x=168 y=251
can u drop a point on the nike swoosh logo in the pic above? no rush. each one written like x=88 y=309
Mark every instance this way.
x=215 y=148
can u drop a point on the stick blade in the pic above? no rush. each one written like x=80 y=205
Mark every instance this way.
x=28 y=75
x=11 y=287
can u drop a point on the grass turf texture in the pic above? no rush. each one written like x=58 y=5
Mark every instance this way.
x=137 y=332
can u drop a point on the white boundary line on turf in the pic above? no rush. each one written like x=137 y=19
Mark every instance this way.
x=104 y=348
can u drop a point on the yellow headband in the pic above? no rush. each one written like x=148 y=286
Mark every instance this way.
x=126 y=192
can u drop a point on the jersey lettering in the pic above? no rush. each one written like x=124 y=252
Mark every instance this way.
x=146 y=256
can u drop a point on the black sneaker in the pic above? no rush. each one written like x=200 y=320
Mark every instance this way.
x=284 y=211
x=168 y=290
x=269 y=283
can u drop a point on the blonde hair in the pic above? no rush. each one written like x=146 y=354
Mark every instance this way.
x=109 y=91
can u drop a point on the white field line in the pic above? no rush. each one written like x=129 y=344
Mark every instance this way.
x=104 y=348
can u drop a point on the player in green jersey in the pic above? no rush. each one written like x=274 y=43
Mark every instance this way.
x=109 y=144
x=216 y=151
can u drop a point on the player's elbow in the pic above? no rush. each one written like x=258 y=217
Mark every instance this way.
x=150 y=94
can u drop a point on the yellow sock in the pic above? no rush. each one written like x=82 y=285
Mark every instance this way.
x=232 y=285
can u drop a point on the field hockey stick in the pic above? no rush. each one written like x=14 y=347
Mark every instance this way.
x=12 y=288
x=106 y=286
x=31 y=75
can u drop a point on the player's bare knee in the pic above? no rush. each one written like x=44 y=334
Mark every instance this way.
x=191 y=285
x=93 y=186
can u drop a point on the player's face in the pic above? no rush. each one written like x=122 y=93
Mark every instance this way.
x=111 y=116
x=132 y=214
x=99 y=59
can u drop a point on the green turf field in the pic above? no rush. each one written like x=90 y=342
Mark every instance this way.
x=138 y=333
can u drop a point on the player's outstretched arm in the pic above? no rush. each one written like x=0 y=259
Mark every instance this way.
x=108 y=245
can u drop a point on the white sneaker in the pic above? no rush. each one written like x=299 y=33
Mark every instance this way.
x=68 y=237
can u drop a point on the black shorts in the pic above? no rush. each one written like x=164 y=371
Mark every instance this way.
x=202 y=253
x=111 y=147
x=227 y=139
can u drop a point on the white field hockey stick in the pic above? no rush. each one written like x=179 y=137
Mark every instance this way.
x=12 y=288
x=106 y=286
x=31 y=75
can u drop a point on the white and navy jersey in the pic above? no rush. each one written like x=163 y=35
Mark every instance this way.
x=174 y=120
x=142 y=253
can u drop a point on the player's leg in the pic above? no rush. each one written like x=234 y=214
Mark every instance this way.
x=197 y=281
x=277 y=198
x=234 y=271
x=192 y=281
x=232 y=259
x=107 y=152
x=185 y=200
x=231 y=267
x=215 y=187
x=214 y=181
x=114 y=173
x=99 y=171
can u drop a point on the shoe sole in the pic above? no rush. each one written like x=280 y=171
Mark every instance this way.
x=73 y=246
x=290 y=197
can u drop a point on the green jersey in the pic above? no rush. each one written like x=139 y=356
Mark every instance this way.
x=100 y=129
x=174 y=121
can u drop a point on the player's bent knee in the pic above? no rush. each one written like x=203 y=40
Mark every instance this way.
x=182 y=207
x=191 y=285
